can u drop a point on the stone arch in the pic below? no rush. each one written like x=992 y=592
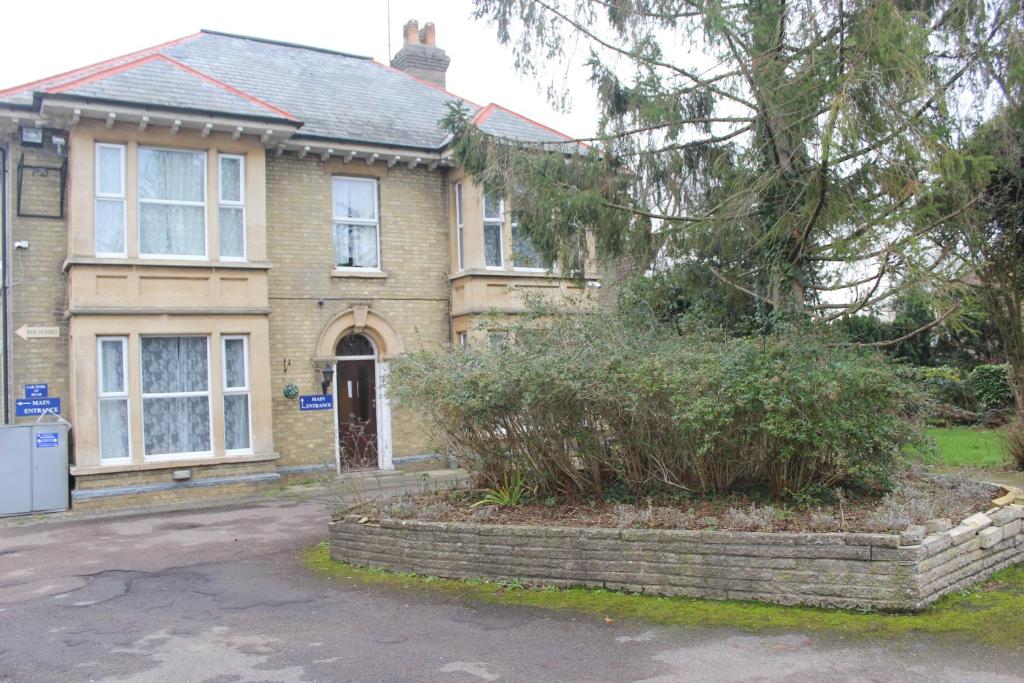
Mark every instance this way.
x=364 y=321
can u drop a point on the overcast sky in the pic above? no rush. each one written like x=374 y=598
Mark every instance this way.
x=48 y=38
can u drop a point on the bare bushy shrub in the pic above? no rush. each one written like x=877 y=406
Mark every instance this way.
x=1013 y=443
x=584 y=402
x=627 y=515
x=753 y=518
x=925 y=495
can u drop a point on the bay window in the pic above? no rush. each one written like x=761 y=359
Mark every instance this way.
x=231 y=184
x=112 y=362
x=493 y=220
x=110 y=200
x=175 y=395
x=237 y=432
x=172 y=203
x=356 y=228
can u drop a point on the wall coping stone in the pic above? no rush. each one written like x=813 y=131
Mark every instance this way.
x=849 y=570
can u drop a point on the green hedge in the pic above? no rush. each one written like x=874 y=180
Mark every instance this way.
x=583 y=403
x=990 y=386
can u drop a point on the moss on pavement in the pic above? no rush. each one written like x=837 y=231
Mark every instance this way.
x=992 y=614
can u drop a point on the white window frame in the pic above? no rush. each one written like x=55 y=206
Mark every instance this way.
x=463 y=340
x=498 y=220
x=236 y=391
x=177 y=202
x=179 y=394
x=375 y=222
x=233 y=204
x=107 y=196
x=122 y=395
x=459 y=231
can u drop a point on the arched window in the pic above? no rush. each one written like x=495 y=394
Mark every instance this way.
x=355 y=345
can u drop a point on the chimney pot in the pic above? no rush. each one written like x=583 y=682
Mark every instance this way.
x=412 y=32
x=420 y=56
x=427 y=36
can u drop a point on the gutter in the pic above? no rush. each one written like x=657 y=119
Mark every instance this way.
x=5 y=292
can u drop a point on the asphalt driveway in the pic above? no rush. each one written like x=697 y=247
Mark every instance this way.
x=220 y=595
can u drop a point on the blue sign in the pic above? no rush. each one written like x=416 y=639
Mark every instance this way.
x=316 y=402
x=47 y=440
x=37 y=390
x=30 y=407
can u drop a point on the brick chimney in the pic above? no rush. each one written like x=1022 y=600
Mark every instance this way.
x=420 y=55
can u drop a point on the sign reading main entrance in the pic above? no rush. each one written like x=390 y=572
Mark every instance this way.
x=28 y=407
x=316 y=402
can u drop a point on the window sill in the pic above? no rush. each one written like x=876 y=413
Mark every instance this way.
x=515 y=273
x=359 y=272
x=171 y=463
x=170 y=263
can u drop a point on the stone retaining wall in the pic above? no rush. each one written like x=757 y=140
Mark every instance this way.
x=851 y=570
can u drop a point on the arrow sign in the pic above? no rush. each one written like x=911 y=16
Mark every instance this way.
x=28 y=407
x=37 y=332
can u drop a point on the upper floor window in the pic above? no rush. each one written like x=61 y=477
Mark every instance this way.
x=231 y=184
x=110 y=200
x=459 y=233
x=172 y=203
x=524 y=255
x=356 y=228
x=493 y=219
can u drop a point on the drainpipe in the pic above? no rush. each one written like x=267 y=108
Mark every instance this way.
x=5 y=291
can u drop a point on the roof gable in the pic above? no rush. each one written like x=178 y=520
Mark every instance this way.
x=333 y=95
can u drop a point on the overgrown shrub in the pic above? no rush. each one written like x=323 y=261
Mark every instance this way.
x=582 y=403
x=990 y=386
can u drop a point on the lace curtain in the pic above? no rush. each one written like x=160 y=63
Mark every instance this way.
x=172 y=202
x=109 y=200
x=354 y=199
x=355 y=223
x=355 y=245
x=113 y=401
x=236 y=395
x=524 y=255
x=492 y=244
x=176 y=400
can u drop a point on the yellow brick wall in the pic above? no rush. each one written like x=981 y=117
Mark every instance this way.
x=304 y=296
x=38 y=291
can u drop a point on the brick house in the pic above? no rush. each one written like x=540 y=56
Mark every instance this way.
x=212 y=249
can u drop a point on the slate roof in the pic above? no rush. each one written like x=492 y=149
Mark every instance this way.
x=335 y=96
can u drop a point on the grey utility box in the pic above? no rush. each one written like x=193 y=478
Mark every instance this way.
x=33 y=468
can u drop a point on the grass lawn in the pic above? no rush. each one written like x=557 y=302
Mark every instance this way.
x=966 y=447
x=991 y=614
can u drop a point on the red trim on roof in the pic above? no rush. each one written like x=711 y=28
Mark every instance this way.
x=82 y=70
x=230 y=88
x=483 y=115
x=128 y=66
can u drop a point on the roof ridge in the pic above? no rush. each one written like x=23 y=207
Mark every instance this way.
x=283 y=43
x=424 y=81
x=226 y=86
x=72 y=73
x=564 y=136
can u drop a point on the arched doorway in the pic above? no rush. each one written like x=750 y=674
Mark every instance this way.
x=356 y=400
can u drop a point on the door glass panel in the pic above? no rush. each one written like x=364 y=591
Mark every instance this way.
x=363 y=393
